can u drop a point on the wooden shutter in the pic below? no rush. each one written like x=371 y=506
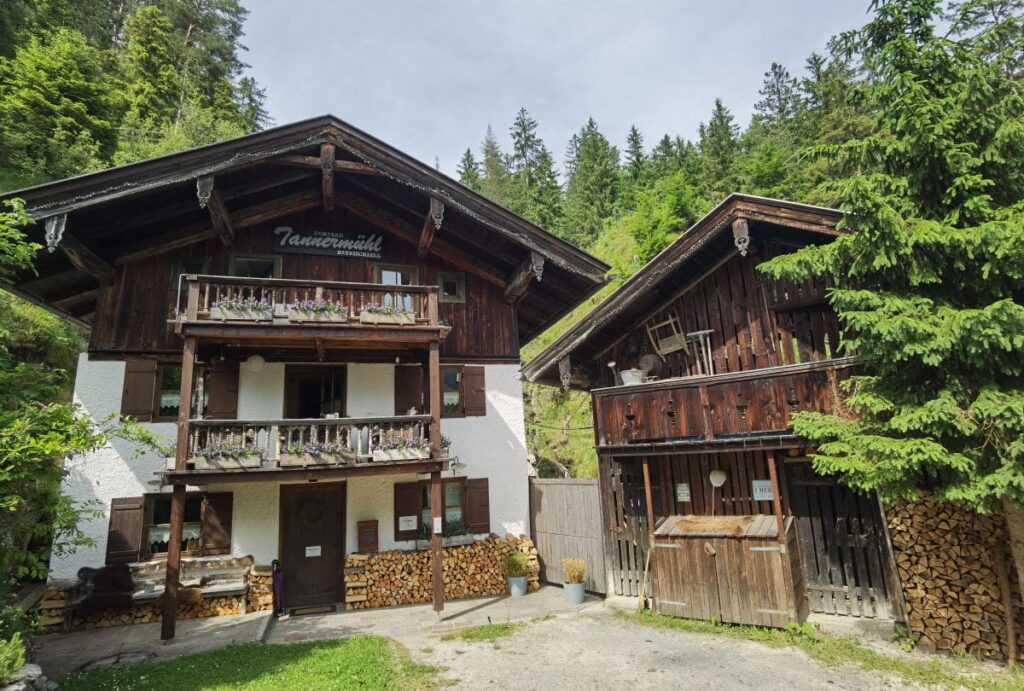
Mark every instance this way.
x=223 y=401
x=124 y=535
x=408 y=388
x=139 y=395
x=473 y=390
x=216 y=522
x=407 y=503
x=478 y=506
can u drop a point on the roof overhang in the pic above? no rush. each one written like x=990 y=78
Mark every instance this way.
x=710 y=236
x=479 y=230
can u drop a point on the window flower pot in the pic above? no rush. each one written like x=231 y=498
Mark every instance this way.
x=386 y=319
x=301 y=316
x=574 y=593
x=516 y=586
x=225 y=462
x=302 y=459
x=219 y=313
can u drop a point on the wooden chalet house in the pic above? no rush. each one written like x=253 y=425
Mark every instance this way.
x=695 y=365
x=329 y=332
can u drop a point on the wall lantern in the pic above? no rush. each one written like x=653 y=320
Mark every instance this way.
x=254 y=363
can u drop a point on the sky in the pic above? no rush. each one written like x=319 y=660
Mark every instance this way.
x=429 y=76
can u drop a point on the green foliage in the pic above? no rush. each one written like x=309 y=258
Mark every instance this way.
x=486 y=632
x=469 y=171
x=15 y=251
x=930 y=287
x=591 y=188
x=515 y=564
x=662 y=214
x=12 y=657
x=719 y=147
x=359 y=662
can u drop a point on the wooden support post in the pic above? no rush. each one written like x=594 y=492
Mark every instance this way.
x=434 y=391
x=85 y=260
x=1002 y=570
x=327 y=176
x=648 y=495
x=169 y=616
x=773 y=474
x=432 y=224
x=173 y=575
x=314 y=162
x=436 y=557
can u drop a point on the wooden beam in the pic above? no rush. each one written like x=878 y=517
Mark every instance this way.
x=210 y=197
x=531 y=268
x=436 y=558
x=310 y=474
x=87 y=261
x=432 y=224
x=314 y=162
x=172 y=577
x=408 y=232
x=244 y=218
x=327 y=176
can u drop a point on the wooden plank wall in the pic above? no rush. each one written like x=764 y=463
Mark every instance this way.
x=132 y=315
x=624 y=509
x=565 y=516
x=842 y=540
x=756 y=322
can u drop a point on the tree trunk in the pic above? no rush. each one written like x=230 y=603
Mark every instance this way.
x=1015 y=530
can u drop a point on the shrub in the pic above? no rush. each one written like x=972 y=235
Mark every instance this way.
x=573 y=570
x=12 y=657
x=516 y=565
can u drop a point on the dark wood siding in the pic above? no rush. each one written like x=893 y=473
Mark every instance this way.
x=139 y=393
x=124 y=535
x=756 y=322
x=132 y=315
x=216 y=522
x=223 y=391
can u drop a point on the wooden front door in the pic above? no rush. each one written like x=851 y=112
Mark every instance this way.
x=843 y=545
x=312 y=543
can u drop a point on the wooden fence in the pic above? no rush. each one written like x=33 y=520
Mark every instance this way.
x=566 y=520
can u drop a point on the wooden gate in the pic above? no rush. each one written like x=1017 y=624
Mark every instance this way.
x=566 y=519
x=846 y=556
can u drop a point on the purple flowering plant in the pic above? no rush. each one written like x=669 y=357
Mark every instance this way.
x=243 y=304
x=317 y=306
x=219 y=450
x=378 y=308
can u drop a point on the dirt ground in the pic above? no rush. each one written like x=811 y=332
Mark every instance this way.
x=595 y=649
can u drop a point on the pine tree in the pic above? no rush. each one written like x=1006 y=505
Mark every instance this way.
x=636 y=157
x=591 y=188
x=148 y=67
x=718 y=147
x=780 y=97
x=469 y=171
x=930 y=285
x=495 y=174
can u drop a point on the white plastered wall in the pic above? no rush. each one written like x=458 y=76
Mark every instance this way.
x=492 y=446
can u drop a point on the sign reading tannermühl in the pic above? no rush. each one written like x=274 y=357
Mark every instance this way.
x=328 y=242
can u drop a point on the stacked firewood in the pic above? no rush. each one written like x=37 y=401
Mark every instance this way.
x=51 y=607
x=261 y=588
x=945 y=558
x=401 y=577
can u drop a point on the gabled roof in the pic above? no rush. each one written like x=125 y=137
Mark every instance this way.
x=711 y=236
x=118 y=214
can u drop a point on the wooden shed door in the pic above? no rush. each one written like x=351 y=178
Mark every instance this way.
x=843 y=546
x=312 y=543
x=684 y=580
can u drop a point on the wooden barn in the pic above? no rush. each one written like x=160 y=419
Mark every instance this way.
x=695 y=365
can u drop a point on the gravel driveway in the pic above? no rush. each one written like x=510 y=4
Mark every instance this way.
x=596 y=649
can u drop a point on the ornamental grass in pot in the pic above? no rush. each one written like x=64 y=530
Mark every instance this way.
x=573 y=573
x=516 y=565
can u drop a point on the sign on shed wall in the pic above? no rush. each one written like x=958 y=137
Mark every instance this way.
x=328 y=242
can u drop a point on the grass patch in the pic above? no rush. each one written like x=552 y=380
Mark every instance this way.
x=960 y=672
x=363 y=662
x=487 y=632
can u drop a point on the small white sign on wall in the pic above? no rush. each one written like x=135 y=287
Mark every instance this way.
x=683 y=491
x=407 y=523
x=763 y=490
x=437 y=526
x=313 y=551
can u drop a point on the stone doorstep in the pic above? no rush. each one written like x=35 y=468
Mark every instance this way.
x=862 y=628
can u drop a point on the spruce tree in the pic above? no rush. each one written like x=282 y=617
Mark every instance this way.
x=469 y=171
x=929 y=284
x=495 y=175
x=780 y=97
x=591 y=188
x=719 y=146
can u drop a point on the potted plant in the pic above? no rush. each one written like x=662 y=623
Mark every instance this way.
x=317 y=311
x=241 y=309
x=385 y=314
x=312 y=453
x=400 y=449
x=573 y=572
x=516 y=566
x=215 y=456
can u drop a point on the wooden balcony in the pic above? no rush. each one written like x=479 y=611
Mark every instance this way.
x=299 y=313
x=252 y=450
x=749 y=409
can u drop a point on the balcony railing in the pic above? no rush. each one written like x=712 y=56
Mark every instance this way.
x=705 y=408
x=282 y=300
x=255 y=444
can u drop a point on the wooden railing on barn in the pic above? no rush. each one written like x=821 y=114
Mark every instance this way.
x=726 y=405
x=199 y=297
x=235 y=444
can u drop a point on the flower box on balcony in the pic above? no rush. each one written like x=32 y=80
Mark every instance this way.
x=214 y=462
x=299 y=459
x=319 y=317
x=393 y=319
x=406 y=454
x=249 y=314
